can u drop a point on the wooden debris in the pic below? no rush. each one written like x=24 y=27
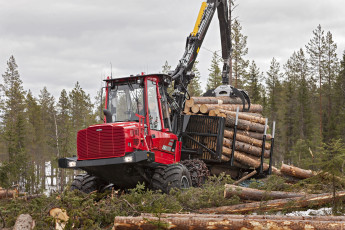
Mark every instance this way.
x=276 y=205
x=296 y=172
x=60 y=216
x=256 y=194
x=8 y=193
x=236 y=222
x=245 y=178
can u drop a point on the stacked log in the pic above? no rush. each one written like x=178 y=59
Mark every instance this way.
x=250 y=128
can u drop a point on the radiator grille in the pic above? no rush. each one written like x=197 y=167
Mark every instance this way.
x=101 y=142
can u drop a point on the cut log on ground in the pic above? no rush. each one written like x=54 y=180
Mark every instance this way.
x=235 y=222
x=205 y=108
x=256 y=194
x=246 y=148
x=276 y=205
x=8 y=193
x=244 y=116
x=246 y=139
x=296 y=172
x=244 y=124
x=212 y=100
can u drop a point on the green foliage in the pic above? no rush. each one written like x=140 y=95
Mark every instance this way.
x=194 y=88
x=253 y=83
x=215 y=76
x=239 y=50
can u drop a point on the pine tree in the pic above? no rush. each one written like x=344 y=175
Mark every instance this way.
x=215 y=76
x=316 y=50
x=273 y=80
x=194 y=88
x=253 y=85
x=81 y=110
x=330 y=71
x=239 y=50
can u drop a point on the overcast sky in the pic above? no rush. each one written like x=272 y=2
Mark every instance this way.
x=57 y=43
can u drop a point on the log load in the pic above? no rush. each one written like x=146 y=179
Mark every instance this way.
x=276 y=205
x=205 y=108
x=256 y=194
x=235 y=222
x=244 y=147
x=246 y=139
x=245 y=159
x=254 y=135
x=195 y=108
x=244 y=125
x=213 y=100
x=296 y=172
x=244 y=116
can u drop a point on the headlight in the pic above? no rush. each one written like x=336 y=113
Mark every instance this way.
x=72 y=164
x=129 y=159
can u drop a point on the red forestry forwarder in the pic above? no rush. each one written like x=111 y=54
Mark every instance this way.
x=145 y=137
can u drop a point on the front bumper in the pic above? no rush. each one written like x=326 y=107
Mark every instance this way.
x=134 y=157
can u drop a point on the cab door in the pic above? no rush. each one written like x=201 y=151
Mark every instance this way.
x=164 y=143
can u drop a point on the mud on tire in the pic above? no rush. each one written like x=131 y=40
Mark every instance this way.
x=87 y=183
x=171 y=176
x=198 y=171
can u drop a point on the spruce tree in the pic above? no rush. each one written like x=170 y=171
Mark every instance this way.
x=14 y=126
x=215 y=76
x=253 y=85
x=194 y=88
x=239 y=50
x=339 y=100
x=316 y=50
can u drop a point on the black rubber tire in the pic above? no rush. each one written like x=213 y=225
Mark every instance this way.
x=198 y=171
x=171 y=176
x=87 y=183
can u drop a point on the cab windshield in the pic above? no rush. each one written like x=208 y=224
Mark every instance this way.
x=126 y=100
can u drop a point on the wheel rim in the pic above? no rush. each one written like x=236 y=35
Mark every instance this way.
x=184 y=182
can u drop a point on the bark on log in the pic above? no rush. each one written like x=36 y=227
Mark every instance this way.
x=256 y=194
x=255 y=135
x=296 y=172
x=244 y=125
x=195 y=108
x=246 y=148
x=244 y=178
x=243 y=116
x=245 y=159
x=246 y=139
x=235 y=222
x=221 y=115
x=276 y=205
x=5 y=193
x=205 y=108
x=212 y=100
x=186 y=109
